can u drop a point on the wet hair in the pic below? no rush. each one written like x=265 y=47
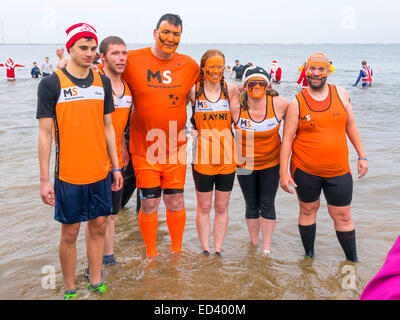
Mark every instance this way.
x=109 y=41
x=244 y=97
x=170 y=18
x=208 y=54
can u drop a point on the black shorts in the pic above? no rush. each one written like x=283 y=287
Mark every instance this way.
x=116 y=198
x=338 y=190
x=259 y=188
x=205 y=183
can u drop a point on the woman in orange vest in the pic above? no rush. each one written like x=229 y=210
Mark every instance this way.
x=214 y=156
x=257 y=120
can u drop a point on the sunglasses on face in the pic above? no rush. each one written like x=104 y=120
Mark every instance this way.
x=253 y=83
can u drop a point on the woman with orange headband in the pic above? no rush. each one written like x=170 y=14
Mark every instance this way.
x=214 y=160
x=257 y=120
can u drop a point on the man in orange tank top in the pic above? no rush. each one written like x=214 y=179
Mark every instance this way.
x=113 y=53
x=318 y=121
x=77 y=103
x=160 y=80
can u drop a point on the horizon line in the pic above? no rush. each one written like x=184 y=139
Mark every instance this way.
x=232 y=43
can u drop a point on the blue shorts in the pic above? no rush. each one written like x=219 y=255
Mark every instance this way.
x=79 y=203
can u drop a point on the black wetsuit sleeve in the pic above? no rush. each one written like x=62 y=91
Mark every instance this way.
x=48 y=94
x=108 y=95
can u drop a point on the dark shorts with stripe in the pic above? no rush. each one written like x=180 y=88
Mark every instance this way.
x=116 y=197
x=338 y=191
x=78 y=203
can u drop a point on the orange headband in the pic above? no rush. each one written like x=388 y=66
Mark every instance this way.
x=318 y=59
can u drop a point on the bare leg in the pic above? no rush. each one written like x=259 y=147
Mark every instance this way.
x=204 y=200
x=267 y=230
x=221 y=219
x=253 y=226
x=67 y=253
x=95 y=247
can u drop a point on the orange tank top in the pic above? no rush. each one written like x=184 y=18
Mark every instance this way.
x=120 y=117
x=81 y=150
x=258 y=143
x=214 y=145
x=320 y=146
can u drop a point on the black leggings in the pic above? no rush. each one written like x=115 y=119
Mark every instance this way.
x=259 y=189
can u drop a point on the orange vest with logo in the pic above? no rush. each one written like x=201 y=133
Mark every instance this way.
x=81 y=150
x=214 y=151
x=159 y=91
x=120 y=117
x=258 y=143
x=320 y=146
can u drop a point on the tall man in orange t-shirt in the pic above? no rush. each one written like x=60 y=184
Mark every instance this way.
x=160 y=80
x=317 y=123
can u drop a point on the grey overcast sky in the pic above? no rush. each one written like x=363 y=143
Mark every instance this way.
x=207 y=21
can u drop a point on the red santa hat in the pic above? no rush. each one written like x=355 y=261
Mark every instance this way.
x=78 y=31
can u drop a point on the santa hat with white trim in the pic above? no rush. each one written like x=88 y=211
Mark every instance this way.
x=78 y=31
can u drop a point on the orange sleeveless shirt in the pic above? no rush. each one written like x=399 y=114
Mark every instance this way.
x=214 y=150
x=120 y=117
x=258 y=143
x=81 y=150
x=320 y=146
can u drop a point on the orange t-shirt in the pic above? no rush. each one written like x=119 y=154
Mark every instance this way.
x=320 y=146
x=120 y=117
x=258 y=143
x=81 y=150
x=214 y=152
x=159 y=91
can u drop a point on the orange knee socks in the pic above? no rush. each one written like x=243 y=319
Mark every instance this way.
x=176 y=225
x=148 y=224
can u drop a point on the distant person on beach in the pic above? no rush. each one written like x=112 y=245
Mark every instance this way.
x=331 y=67
x=214 y=164
x=365 y=75
x=113 y=54
x=318 y=121
x=160 y=80
x=77 y=102
x=62 y=60
x=10 y=66
x=237 y=69
x=35 y=72
x=276 y=72
x=257 y=120
x=303 y=78
x=47 y=68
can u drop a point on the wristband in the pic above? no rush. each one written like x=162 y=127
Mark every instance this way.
x=361 y=158
x=113 y=170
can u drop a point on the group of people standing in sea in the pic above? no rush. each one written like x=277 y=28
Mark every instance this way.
x=236 y=132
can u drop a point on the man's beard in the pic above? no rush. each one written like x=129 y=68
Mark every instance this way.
x=318 y=87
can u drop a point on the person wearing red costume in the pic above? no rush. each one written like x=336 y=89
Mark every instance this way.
x=10 y=65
